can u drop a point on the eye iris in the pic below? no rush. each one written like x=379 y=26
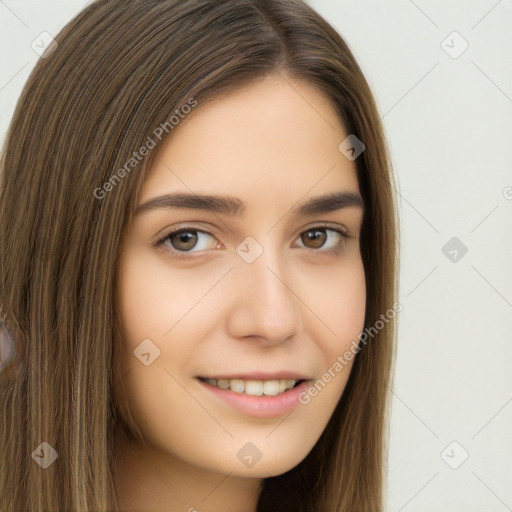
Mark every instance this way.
x=316 y=236
x=189 y=238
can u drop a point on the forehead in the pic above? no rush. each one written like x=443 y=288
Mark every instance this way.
x=271 y=140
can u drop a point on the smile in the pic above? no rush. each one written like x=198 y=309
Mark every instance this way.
x=250 y=396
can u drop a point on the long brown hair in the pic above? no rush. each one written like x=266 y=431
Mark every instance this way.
x=121 y=68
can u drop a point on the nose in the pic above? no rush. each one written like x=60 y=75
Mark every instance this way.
x=264 y=303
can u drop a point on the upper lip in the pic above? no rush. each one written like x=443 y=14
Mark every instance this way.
x=285 y=375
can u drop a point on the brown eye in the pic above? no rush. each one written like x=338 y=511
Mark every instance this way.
x=183 y=240
x=315 y=237
x=324 y=239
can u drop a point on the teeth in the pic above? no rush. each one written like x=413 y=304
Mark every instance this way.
x=270 y=387
x=254 y=387
x=223 y=383
x=289 y=384
x=236 y=385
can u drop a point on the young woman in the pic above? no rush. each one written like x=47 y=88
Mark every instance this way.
x=198 y=266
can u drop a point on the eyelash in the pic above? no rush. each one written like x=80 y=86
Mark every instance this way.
x=188 y=254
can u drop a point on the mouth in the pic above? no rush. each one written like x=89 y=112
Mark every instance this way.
x=268 y=398
x=254 y=387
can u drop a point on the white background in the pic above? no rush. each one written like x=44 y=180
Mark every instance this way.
x=449 y=123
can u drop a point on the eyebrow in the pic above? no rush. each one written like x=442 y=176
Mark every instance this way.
x=234 y=207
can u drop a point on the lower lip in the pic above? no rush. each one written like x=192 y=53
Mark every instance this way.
x=260 y=406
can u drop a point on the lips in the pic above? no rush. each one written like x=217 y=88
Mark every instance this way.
x=252 y=402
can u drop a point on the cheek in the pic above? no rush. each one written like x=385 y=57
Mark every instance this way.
x=159 y=329
x=163 y=320
x=157 y=300
x=339 y=299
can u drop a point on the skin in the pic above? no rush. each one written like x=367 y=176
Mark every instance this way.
x=296 y=307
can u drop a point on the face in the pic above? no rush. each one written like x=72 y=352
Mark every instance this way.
x=254 y=292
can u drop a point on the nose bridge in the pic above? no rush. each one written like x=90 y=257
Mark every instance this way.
x=265 y=303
